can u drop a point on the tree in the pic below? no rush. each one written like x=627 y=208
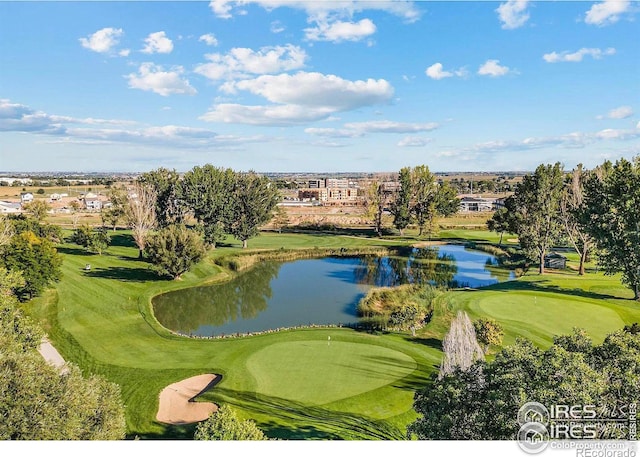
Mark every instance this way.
x=425 y=190
x=611 y=217
x=460 y=346
x=208 y=192
x=173 y=250
x=113 y=214
x=37 y=402
x=75 y=213
x=96 y=241
x=140 y=212
x=482 y=402
x=572 y=212
x=166 y=184
x=500 y=222
x=224 y=425
x=489 y=332
x=38 y=260
x=537 y=202
x=280 y=219
x=37 y=209
x=254 y=199
x=401 y=203
x=376 y=200
x=6 y=231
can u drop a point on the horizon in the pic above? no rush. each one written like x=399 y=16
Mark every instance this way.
x=323 y=86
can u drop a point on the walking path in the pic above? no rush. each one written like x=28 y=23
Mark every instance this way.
x=52 y=356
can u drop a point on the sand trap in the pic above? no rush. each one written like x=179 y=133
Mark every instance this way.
x=177 y=405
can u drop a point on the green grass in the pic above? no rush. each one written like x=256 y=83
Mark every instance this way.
x=293 y=383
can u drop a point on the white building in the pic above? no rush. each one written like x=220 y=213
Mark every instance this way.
x=9 y=207
x=26 y=197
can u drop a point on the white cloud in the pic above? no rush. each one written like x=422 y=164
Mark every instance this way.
x=277 y=27
x=298 y=99
x=622 y=112
x=268 y=115
x=15 y=117
x=318 y=90
x=157 y=42
x=315 y=9
x=577 y=56
x=242 y=62
x=124 y=52
x=493 y=68
x=153 y=78
x=209 y=38
x=338 y=31
x=513 y=13
x=414 y=141
x=103 y=40
x=391 y=127
x=607 y=12
x=333 y=133
x=435 y=72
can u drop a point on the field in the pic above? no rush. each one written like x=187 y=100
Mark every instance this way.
x=295 y=384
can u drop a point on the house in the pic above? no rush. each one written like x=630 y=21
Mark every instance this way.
x=475 y=204
x=9 y=207
x=555 y=260
x=26 y=197
x=92 y=204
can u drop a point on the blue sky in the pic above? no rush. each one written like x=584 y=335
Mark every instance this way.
x=276 y=85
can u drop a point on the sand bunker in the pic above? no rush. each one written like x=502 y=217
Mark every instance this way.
x=177 y=405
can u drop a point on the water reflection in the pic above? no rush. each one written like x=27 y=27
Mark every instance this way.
x=316 y=291
x=244 y=297
x=423 y=266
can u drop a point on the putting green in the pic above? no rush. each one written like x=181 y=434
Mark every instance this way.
x=316 y=372
x=550 y=313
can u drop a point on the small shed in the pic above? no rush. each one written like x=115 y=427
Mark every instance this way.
x=555 y=260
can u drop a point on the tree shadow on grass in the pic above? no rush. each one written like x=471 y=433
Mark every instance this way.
x=124 y=274
x=123 y=240
x=543 y=285
x=307 y=421
x=72 y=251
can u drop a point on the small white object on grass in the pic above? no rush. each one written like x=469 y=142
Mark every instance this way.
x=329 y=340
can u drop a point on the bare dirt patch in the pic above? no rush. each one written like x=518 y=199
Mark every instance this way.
x=177 y=400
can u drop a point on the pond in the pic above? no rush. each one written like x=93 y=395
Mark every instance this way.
x=323 y=291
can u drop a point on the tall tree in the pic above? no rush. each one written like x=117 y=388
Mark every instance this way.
x=96 y=241
x=612 y=219
x=37 y=209
x=254 y=200
x=116 y=211
x=425 y=191
x=173 y=250
x=6 y=231
x=208 y=192
x=166 y=184
x=37 y=258
x=572 y=212
x=376 y=200
x=401 y=203
x=140 y=213
x=537 y=202
x=447 y=201
x=460 y=346
x=499 y=223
